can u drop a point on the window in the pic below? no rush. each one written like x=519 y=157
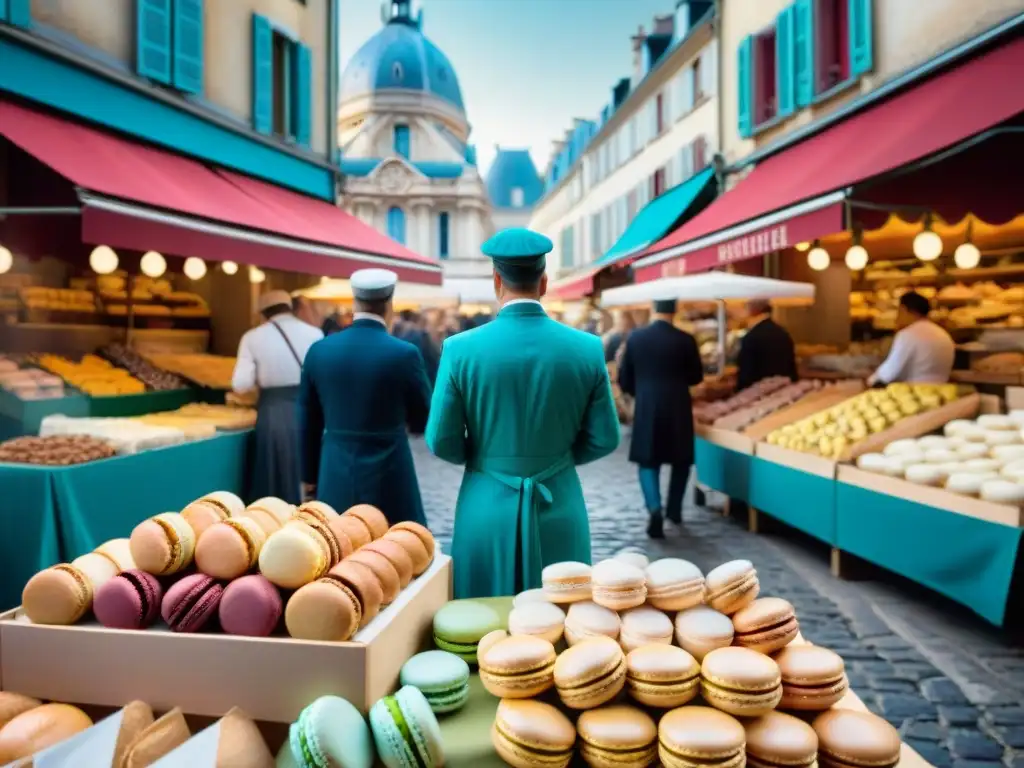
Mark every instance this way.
x=700 y=152
x=282 y=119
x=595 y=236
x=443 y=224
x=631 y=204
x=401 y=140
x=397 y=72
x=568 y=255
x=659 y=114
x=685 y=162
x=698 y=81
x=168 y=39
x=658 y=183
x=396 y=224
x=831 y=44
x=518 y=197
x=764 y=76
x=282 y=83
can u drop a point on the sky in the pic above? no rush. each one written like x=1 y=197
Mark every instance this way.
x=526 y=67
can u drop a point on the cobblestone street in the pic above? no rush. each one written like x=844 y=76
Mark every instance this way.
x=953 y=685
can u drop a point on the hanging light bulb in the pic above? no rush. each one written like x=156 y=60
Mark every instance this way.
x=803 y=247
x=256 y=275
x=927 y=243
x=152 y=264
x=856 y=257
x=229 y=267
x=194 y=268
x=103 y=260
x=6 y=260
x=818 y=259
x=967 y=255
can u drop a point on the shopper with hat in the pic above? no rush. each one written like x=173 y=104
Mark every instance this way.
x=520 y=401
x=362 y=392
x=270 y=359
x=660 y=364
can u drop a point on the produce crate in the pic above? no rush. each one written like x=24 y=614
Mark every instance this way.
x=802 y=408
x=966 y=407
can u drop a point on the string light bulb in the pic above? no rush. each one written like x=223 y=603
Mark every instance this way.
x=856 y=257
x=927 y=243
x=103 y=260
x=152 y=264
x=803 y=247
x=818 y=258
x=194 y=268
x=229 y=268
x=6 y=260
x=256 y=275
x=967 y=255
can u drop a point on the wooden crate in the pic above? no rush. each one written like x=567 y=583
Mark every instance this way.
x=802 y=408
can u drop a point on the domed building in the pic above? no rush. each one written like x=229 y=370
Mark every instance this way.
x=409 y=169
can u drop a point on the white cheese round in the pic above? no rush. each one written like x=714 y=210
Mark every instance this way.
x=968 y=483
x=997 y=421
x=973 y=451
x=995 y=437
x=1003 y=492
x=926 y=474
x=900 y=447
x=957 y=426
x=982 y=465
x=941 y=456
x=928 y=442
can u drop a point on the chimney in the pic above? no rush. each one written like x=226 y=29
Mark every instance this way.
x=638 y=41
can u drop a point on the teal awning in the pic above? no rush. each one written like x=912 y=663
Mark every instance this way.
x=662 y=215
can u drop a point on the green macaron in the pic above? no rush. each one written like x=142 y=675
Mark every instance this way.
x=331 y=733
x=460 y=624
x=405 y=731
x=442 y=677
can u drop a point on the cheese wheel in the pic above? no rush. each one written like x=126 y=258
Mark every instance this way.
x=957 y=426
x=1014 y=470
x=973 y=434
x=1003 y=492
x=956 y=443
x=972 y=451
x=926 y=474
x=940 y=456
x=996 y=421
x=1008 y=453
x=982 y=465
x=900 y=447
x=872 y=462
x=995 y=437
x=968 y=483
x=1017 y=417
x=950 y=468
x=930 y=442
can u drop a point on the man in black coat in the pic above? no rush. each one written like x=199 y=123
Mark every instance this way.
x=767 y=349
x=412 y=329
x=660 y=364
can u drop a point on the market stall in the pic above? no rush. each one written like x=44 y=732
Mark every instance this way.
x=407 y=295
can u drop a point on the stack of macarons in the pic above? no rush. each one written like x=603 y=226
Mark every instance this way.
x=701 y=671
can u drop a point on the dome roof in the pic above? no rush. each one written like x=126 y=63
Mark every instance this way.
x=401 y=57
x=513 y=169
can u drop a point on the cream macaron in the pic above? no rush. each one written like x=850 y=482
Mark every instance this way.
x=567 y=582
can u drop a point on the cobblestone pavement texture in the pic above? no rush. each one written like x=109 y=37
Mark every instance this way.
x=953 y=685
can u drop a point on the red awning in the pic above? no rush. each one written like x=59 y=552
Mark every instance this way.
x=141 y=198
x=575 y=287
x=798 y=194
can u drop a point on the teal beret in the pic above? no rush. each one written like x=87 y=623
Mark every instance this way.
x=518 y=254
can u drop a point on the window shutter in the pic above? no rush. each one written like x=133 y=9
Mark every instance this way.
x=152 y=39
x=686 y=162
x=302 y=110
x=262 y=74
x=17 y=12
x=803 y=51
x=861 y=37
x=785 y=72
x=188 y=46
x=709 y=68
x=745 y=86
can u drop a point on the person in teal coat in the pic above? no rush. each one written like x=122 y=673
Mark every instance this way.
x=521 y=402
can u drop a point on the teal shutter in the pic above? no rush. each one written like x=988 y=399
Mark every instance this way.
x=302 y=70
x=862 y=58
x=3 y=10
x=803 y=51
x=188 y=46
x=262 y=74
x=152 y=39
x=785 y=70
x=18 y=12
x=745 y=86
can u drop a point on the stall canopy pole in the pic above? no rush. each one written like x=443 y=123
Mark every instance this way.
x=722 y=320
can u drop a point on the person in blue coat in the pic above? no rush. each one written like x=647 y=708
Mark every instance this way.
x=361 y=394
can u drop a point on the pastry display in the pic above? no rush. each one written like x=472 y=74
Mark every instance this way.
x=127 y=436
x=213 y=371
x=58 y=299
x=55 y=451
x=708 y=413
x=29 y=383
x=154 y=378
x=203 y=418
x=92 y=375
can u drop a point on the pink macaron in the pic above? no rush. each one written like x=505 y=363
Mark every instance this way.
x=191 y=602
x=250 y=606
x=130 y=600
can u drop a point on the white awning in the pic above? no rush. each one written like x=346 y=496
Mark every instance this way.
x=708 y=286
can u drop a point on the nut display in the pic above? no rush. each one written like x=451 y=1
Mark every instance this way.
x=57 y=450
x=212 y=371
x=710 y=412
x=143 y=370
x=744 y=417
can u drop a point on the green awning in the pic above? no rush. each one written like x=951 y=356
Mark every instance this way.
x=663 y=214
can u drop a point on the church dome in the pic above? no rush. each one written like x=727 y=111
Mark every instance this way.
x=401 y=57
x=513 y=181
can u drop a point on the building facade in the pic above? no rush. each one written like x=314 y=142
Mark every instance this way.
x=658 y=130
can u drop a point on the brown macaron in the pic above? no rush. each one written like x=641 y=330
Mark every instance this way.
x=203 y=513
x=13 y=704
x=59 y=595
x=399 y=558
x=38 y=728
x=383 y=569
x=319 y=518
x=777 y=739
x=766 y=625
x=364 y=585
x=414 y=548
x=374 y=519
x=851 y=739
x=325 y=610
x=353 y=529
x=421 y=531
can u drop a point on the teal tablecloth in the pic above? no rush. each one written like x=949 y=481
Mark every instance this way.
x=723 y=469
x=54 y=514
x=800 y=499
x=22 y=417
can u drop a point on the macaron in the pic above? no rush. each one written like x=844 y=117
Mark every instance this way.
x=567 y=582
x=545 y=620
x=674 y=584
x=414 y=548
x=318 y=508
x=530 y=596
x=226 y=500
x=318 y=517
x=96 y=568
x=662 y=676
x=363 y=584
x=229 y=549
x=531 y=733
x=294 y=556
x=251 y=606
x=324 y=610
x=201 y=514
x=353 y=529
x=442 y=677
x=406 y=732
x=119 y=552
x=421 y=531
x=270 y=513
x=617 y=736
x=618 y=585
x=373 y=518
x=383 y=569
x=702 y=629
x=398 y=557
x=851 y=739
x=518 y=667
x=766 y=625
x=191 y=602
x=587 y=619
x=732 y=586
x=460 y=624
x=778 y=739
x=330 y=732
x=590 y=673
x=740 y=681
x=130 y=600
x=39 y=728
x=13 y=704
x=490 y=639
x=813 y=677
x=700 y=736
x=59 y=595
x=643 y=626
x=163 y=545
x=639 y=559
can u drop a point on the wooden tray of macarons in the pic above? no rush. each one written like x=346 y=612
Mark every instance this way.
x=664 y=665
